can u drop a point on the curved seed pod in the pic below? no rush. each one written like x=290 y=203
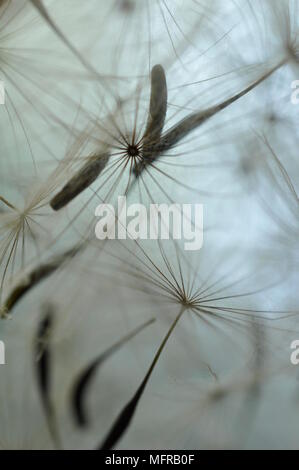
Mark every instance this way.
x=80 y=181
x=190 y=123
x=83 y=381
x=35 y=277
x=157 y=109
x=43 y=369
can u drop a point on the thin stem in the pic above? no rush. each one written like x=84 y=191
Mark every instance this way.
x=160 y=350
x=8 y=204
x=38 y=4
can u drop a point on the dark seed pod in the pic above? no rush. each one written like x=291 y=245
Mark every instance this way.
x=80 y=181
x=43 y=369
x=156 y=117
x=39 y=5
x=126 y=415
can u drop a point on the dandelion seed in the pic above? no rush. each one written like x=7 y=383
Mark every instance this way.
x=24 y=72
x=205 y=299
x=79 y=182
x=39 y=5
x=134 y=149
x=157 y=111
x=274 y=183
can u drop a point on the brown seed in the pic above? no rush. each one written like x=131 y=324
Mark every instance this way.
x=80 y=181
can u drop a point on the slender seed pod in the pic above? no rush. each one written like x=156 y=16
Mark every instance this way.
x=123 y=421
x=43 y=366
x=82 y=382
x=36 y=276
x=157 y=110
x=38 y=4
x=80 y=181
